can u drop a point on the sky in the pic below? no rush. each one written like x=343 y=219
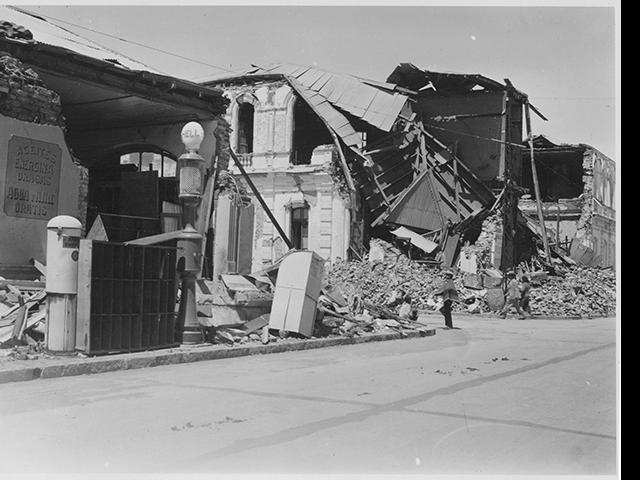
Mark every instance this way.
x=563 y=57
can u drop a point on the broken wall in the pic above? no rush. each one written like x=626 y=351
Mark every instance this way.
x=40 y=179
x=595 y=239
x=274 y=124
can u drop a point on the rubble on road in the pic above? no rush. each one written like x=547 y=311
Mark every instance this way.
x=576 y=291
x=571 y=291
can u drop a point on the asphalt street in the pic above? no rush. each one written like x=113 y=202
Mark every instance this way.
x=493 y=397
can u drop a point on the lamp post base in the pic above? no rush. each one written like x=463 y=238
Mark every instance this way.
x=192 y=336
x=192 y=333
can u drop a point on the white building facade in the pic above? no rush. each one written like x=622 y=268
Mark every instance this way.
x=289 y=154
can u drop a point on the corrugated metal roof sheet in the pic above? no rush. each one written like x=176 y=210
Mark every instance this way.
x=376 y=105
x=49 y=34
x=336 y=120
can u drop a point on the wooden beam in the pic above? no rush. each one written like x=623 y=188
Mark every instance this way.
x=536 y=186
x=258 y=196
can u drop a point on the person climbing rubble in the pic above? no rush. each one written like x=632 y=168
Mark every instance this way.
x=448 y=293
x=512 y=296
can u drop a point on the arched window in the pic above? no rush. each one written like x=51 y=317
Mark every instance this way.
x=149 y=159
x=245 y=128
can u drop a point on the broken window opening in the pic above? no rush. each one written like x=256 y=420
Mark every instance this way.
x=559 y=175
x=308 y=133
x=300 y=227
x=245 y=128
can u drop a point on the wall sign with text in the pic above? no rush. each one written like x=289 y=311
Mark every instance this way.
x=32 y=184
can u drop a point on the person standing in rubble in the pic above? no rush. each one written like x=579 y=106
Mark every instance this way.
x=525 y=295
x=512 y=296
x=447 y=291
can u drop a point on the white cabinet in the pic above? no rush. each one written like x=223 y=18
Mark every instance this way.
x=296 y=294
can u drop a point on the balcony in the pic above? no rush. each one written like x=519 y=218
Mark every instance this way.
x=246 y=159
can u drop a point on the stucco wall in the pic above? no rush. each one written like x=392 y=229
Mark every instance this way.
x=24 y=217
x=329 y=215
x=329 y=218
x=281 y=183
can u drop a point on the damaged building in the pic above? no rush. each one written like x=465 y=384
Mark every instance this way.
x=577 y=190
x=423 y=158
x=92 y=134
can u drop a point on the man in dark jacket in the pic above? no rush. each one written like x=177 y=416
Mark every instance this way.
x=448 y=293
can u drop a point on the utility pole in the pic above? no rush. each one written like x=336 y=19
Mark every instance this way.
x=536 y=186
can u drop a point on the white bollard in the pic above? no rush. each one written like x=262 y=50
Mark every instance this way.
x=63 y=242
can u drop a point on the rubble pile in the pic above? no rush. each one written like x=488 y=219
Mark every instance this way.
x=375 y=281
x=13 y=30
x=13 y=69
x=22 y=313
x=576 y=291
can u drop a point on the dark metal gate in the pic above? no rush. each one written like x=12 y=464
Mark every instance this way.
x=126 y=298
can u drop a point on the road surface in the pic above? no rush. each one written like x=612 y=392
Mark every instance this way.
x=493 y=397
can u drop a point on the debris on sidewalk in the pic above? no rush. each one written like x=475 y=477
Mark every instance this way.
x=22 y=313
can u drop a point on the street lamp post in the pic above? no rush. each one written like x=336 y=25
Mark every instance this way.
x=190 y=190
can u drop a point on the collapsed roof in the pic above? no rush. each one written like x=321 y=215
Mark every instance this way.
x=386 y=172
x=408 y=164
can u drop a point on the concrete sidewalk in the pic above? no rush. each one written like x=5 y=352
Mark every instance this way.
x=64 y=366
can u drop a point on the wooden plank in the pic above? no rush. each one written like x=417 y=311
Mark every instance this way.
x=257 y=323
x=41 y=267
x=21 y=284
x=83 y=306
x=38 y=297
x=21 y=316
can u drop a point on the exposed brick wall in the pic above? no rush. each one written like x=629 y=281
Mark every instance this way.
x=23 y=95
x=222 y=143
x=83 y=197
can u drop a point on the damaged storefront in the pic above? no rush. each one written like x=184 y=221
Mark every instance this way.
x=91 y=136
x=94 y=137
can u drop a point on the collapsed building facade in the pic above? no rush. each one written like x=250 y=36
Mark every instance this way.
x=577 y=189
x=424 y=158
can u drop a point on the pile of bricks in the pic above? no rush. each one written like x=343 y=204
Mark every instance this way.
x=376 y=281
x=13 y=30
x=576 y=292
x=23 y=95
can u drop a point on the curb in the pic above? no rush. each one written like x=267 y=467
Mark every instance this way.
x=130 y=361
x=489 y=316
